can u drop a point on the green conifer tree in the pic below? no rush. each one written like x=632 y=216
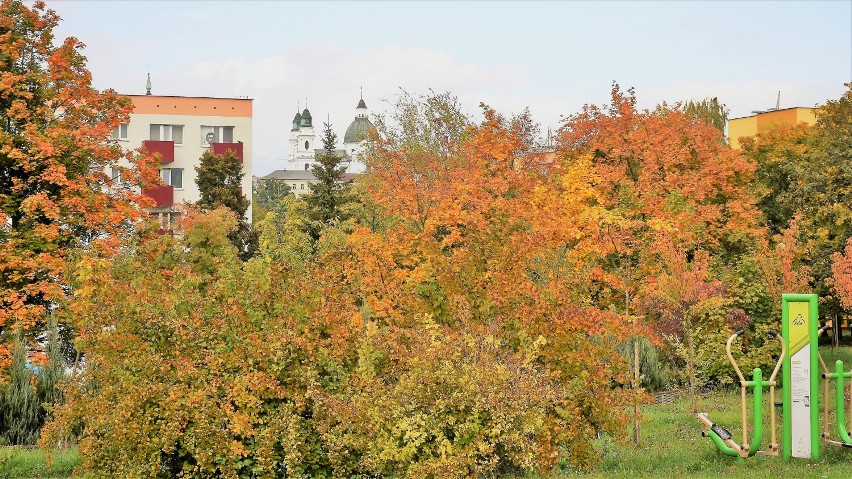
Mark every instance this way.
x=48 y=389
x=329 y=194
x=219 y=179
x=20 y=402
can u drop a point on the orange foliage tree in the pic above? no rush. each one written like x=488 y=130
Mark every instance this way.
x=669 y=169
x=676 y=201
x=478 y=243
x=54 y=150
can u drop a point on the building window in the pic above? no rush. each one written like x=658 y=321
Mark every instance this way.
x=306 y=145
x=115 y=175
x=302 y=186
x=119 y=132
x=307 y=166
x=173 y=177
x=216 y=134
x=167 y=133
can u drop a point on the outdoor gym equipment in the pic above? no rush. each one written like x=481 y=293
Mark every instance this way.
x=840 y=401
x=722 y=438
x=800 y=426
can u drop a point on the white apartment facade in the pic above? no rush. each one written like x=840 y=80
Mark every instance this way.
x=180 y=129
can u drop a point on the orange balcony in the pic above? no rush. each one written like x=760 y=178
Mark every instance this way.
x=163 y=195
x=166 y=149
x=222 y=148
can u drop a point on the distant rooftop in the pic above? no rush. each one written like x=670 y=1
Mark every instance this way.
x=773 y=110
x=184 y=96
x=301 y=175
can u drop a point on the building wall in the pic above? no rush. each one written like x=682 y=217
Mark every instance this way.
x=193 y=113
x=299 y=188
x=755 y=124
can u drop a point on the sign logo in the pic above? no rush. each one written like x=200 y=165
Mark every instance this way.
x=799 y=320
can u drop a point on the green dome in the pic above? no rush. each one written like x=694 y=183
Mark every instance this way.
x=306 y=118
x=358 y=130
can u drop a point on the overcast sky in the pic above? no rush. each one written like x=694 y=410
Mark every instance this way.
x=550 y=56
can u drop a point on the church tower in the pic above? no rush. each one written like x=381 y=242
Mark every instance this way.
x=302 y=140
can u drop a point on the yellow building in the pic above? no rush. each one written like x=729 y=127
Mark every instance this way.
x=752 y=125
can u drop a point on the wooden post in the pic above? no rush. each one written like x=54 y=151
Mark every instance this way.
x=636 y=421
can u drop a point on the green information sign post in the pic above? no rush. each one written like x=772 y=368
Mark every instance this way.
x=799 y=317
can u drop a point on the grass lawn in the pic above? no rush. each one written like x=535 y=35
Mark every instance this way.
x=30 y=464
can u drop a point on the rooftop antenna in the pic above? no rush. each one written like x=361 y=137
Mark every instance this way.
x=777 y=106
x=148 y=84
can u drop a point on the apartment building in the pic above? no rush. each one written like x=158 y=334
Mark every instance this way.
x=180 y=129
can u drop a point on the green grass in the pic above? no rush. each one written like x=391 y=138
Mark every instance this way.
x=829 y=355
x=18 y=463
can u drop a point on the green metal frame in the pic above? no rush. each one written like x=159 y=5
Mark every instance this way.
x=840 y=400
x=787 y=432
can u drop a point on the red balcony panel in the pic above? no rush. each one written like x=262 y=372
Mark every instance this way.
x=163 y=195
x=166 y=149
x=222 y=148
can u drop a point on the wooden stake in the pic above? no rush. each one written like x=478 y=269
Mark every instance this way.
x=636 y=421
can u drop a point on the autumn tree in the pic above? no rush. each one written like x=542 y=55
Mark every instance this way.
x=219 y=179
x=54 y=150
x=694 y=312
x=667 y=169
x=674 y=202
x=475 y=243
x=842 y=275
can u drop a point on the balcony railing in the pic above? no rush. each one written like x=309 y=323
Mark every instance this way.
x=222 y=148
x=166 y=149
x=163 y=195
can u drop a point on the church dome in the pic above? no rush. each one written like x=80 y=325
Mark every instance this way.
x=296 y=121
x=306 y=118
x=358 y=130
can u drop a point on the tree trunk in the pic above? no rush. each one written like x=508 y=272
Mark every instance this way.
x=690 y=367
